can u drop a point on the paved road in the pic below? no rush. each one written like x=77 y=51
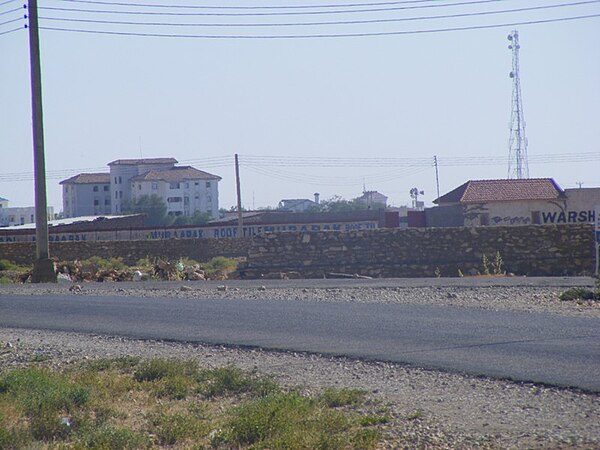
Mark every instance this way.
x=545 y=348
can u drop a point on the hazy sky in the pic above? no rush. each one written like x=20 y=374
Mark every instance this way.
x=334 y=111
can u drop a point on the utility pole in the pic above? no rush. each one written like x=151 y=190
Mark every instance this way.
x=517 y=153
x=437 y=176
x=240 y=232
x=43 y=268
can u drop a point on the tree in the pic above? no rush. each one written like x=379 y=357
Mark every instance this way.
x=338 y=204
x=153 y=206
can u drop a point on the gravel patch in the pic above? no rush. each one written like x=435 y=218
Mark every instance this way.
x=428 y=409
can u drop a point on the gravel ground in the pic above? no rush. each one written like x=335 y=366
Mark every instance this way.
x=430 y=409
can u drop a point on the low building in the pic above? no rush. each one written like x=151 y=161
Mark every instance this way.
x=185 y=190
x=13 y=216
x=513 y=202
x=373 y=199
x=86 y=194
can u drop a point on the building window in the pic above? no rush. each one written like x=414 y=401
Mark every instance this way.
x=107 y=201
x=95 y=189
x=186 y=201
x=120 y=194
x=32 y=218
x=536 y=217
x=106 y=188
x=187 y=185
x=116 y=195
x=96 y=202
x=115 y=180
x=139 y=186
x=174 y=200
x=208 y=184
x=120 y=180
x=196 y=184
x=174 y=185
x=66 y=188
x=484 y=219
x=154 y=186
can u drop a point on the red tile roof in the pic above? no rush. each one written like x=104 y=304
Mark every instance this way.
x=176 y=174
x=484 y=191
x=88 y=178
x=135 y=162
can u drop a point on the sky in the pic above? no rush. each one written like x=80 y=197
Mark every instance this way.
x=333 y=115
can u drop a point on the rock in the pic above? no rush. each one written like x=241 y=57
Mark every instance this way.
x=63 y=278
x=137 y=275
x=185 y=288
x=222 y=288
x=262 y=288
x=76 y=288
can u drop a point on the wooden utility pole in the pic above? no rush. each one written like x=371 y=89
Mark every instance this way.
x=240 y=231
x=43 y=268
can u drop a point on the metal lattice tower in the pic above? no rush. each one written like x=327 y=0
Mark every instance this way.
x=517 y=142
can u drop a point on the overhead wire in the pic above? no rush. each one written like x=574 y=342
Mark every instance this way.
x=347 y=5
x=11 y=31
x=344 y=22
x=290 y=13
x=8 y=11
x=324 y=35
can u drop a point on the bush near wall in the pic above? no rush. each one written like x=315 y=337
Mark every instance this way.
x=130 y=251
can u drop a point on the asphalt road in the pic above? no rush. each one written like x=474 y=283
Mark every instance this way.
x=546 y=348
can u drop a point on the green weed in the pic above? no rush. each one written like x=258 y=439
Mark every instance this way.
x=579 y=293
x=231 y=380
x=341 y=397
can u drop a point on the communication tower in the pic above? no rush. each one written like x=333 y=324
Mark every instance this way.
x=517 y=142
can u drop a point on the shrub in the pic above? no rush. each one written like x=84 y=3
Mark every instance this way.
x=171 y=429
x=159 y=368
x=231 y=380
x=578 y=293
x=108 y=437
x=219 y=266
x=341 y=397
x=5 y=264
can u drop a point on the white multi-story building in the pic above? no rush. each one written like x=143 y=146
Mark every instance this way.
x=86 y=194
x=123 y=170
x=12 y=216
x=185 y=190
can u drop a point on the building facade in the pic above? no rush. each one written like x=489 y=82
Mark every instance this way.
x=86 y=194
x=533 y=201
x=13 y=216
x=185 y=190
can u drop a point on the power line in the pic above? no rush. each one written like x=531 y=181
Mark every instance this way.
x=2 y=13
x=321 y=36
x=12 y=21
x=347 y=22
x=293 y=13
x=348 y=5
x=11 y=31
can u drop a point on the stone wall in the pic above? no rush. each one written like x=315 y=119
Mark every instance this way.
x=131 y=251
x=424 y=252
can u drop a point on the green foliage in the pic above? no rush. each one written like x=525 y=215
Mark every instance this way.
x=231 y=380
x=486 y=265
x=338 y=204
x=5 y=280
x=97 y=263
x=112 y=438
x=159 y=368
x=171 y=429
x=579 y=293
x=198 y=218
x=497 y=264
x=289 y=420
x=112 y=404
x=341 y=397
x=219 y=266
x=5 y=264
x=42 y=396
x=153 y=206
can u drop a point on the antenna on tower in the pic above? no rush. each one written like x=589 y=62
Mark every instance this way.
x=517 y=142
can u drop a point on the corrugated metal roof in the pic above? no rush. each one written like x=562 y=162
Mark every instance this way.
x=136 y=162
x=176 y=174
x=484 y=191
x=88 y=178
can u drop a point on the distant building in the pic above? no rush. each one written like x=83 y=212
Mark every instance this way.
x=123 y=170
x=298 y=205
x=86 y=194
x=184 y=189
x=13 y=216
x=373 y=199
x=539 y=201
